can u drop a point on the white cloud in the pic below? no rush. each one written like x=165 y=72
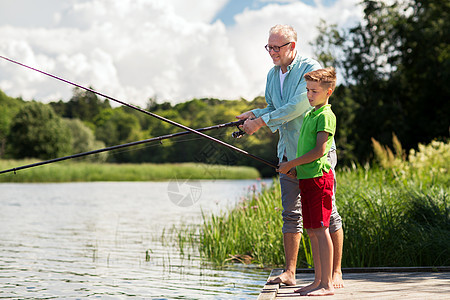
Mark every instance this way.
x=136 y=49
x=250 y=33
x=197 y=10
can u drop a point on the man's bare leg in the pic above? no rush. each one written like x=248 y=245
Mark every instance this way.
x=291 y=245
x=338 y=242
x=316 y=259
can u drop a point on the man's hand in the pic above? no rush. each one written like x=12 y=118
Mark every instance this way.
x=246 y=115
x=292 y=173
x=250 y=126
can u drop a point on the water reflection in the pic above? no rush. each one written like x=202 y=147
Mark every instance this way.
x=80 y=240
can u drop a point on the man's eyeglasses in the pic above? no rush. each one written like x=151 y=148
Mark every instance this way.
x=275 y=48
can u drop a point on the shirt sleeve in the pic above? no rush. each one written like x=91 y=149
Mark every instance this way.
x=297 y=105
x=263 y=111
x=268 y=97
x=327 y=123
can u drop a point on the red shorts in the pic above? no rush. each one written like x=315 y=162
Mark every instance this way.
x=316 y=196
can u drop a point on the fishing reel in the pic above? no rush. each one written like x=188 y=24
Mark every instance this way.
x=238 y=134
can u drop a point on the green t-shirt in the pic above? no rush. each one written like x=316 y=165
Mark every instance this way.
x=315 y=121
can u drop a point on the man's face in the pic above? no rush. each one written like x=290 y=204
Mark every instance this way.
x=284 y=57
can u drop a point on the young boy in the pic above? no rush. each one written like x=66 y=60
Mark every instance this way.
x=316 y=177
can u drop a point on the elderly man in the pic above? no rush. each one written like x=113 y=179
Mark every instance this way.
x=285 y=110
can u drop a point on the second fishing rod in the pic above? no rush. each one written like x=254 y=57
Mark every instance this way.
x=146 y=112
x=116 y=147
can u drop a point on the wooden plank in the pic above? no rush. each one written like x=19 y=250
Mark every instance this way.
x=270 y=291
x=383 y=283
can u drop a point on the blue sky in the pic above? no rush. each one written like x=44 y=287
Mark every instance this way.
x=233 y=7
x=171 y=50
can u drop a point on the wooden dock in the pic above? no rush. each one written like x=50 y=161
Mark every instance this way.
x=371 y=283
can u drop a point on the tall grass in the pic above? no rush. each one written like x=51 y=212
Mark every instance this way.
x=397 y=216
x=248 y=233
x=87 y=171
x=392 y=223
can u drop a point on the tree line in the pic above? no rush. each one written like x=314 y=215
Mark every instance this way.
x=30 y=129
x=395 y=67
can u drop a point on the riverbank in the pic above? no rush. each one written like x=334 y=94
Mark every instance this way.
x=88 y=171
x=396 y=216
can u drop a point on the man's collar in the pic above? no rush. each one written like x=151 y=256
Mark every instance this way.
x=296 y=58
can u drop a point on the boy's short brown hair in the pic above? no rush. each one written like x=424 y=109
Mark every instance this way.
x=326 y=77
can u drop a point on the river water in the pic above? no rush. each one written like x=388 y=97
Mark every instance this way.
x=114 y=240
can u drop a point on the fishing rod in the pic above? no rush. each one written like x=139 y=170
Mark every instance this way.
x=146 y=112
x=159 y=138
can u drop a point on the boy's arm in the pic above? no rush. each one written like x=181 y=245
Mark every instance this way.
x=317 y=152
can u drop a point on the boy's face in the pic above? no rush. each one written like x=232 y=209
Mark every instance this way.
x=317 y=94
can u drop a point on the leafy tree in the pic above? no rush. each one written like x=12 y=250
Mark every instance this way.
x=84 y=105
x=8 y=109
x=83 y=140
x=38 y=132
x=396 y=67
x=423 y=71
x=117 y=126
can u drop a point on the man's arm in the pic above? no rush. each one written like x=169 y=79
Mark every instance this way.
x=297 y=104
x=295 y=107
x=274 y=118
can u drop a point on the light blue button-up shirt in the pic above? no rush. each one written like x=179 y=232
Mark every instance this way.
x=285 y=111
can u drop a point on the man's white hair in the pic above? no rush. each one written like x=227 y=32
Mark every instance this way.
x=286 y=31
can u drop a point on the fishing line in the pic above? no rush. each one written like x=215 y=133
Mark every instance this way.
x=158 y=143
x=146 y=112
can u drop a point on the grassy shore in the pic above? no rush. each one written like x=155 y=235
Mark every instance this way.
x=87 y=171
x=393 y=216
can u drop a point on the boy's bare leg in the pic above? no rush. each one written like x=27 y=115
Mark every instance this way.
x=338 y=241
x=326 y=263
x=316 y=258
x=291 y=245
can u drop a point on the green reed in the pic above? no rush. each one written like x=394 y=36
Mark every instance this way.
x=388 y=222
x=250 y=232
x=88 y=171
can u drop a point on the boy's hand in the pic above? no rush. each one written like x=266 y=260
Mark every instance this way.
x=284 y=168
